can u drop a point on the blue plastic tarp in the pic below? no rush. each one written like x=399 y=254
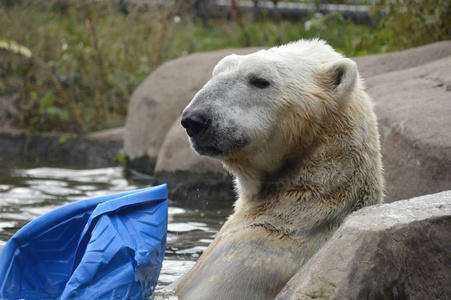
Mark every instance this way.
x=109 y=247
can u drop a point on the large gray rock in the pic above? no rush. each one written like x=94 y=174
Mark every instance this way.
x=411 y=90
x=96 y=150
x=113 y=136
x=376 y=64
x=160 y=99
x=392 y=251
x=414 y=111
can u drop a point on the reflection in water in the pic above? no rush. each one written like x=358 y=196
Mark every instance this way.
x=28 y=193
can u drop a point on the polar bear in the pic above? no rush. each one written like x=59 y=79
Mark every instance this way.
x=296 y=129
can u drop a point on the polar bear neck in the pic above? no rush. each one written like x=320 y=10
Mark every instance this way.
x=258 y=177
x=257 y=185
x=247 y=185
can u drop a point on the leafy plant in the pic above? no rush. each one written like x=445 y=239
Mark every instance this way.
x=84 y=59
x=411 y=23
x=121 y=158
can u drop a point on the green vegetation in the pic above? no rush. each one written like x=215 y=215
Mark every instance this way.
x=72 y=66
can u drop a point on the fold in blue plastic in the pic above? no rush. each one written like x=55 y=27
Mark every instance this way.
x=109 y=247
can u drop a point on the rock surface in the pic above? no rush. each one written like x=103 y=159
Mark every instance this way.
x=411 y=90
x=114 y=136
x=413 y=107
x=392 y=251
x=97 y=150
x=376 y=64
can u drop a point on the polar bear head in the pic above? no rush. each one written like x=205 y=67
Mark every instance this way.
x=259 y=111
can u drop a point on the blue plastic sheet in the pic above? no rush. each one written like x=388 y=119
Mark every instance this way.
x=108 y=247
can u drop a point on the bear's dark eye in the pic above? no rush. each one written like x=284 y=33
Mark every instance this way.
x=259 y=83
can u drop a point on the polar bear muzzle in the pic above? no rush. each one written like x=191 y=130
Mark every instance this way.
x=197 y=125
x=207 y=137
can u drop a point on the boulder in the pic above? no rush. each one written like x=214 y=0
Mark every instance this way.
x=96 y=150
x=391 y=251
x=113 y=136
x=376 y=64
x=411 y=90
x=160 y=99
x=413 y=107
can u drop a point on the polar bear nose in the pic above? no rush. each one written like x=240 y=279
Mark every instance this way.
x=195 y=124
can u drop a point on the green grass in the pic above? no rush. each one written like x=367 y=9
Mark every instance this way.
x=87 y=58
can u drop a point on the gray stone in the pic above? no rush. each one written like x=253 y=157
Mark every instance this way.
x=160 y=99
x=413 y=107
x=392 y=251
x=376 y=64
x=114 y=136
x=60 y=149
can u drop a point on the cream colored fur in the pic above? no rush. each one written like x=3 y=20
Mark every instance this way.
x=311 y=157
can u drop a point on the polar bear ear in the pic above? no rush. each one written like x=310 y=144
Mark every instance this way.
x=228 y=62
x=344 y=75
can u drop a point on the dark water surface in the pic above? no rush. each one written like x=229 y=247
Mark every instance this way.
x=28 y=192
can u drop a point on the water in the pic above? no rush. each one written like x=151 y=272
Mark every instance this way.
x=26 y=193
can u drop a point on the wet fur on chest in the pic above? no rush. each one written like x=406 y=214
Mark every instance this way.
x=261 y=247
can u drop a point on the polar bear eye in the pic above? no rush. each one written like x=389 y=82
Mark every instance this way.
x=259 y=83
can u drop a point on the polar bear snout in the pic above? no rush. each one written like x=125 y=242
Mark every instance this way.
x=195 y=123
x=201 y=134
x=212 y=134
